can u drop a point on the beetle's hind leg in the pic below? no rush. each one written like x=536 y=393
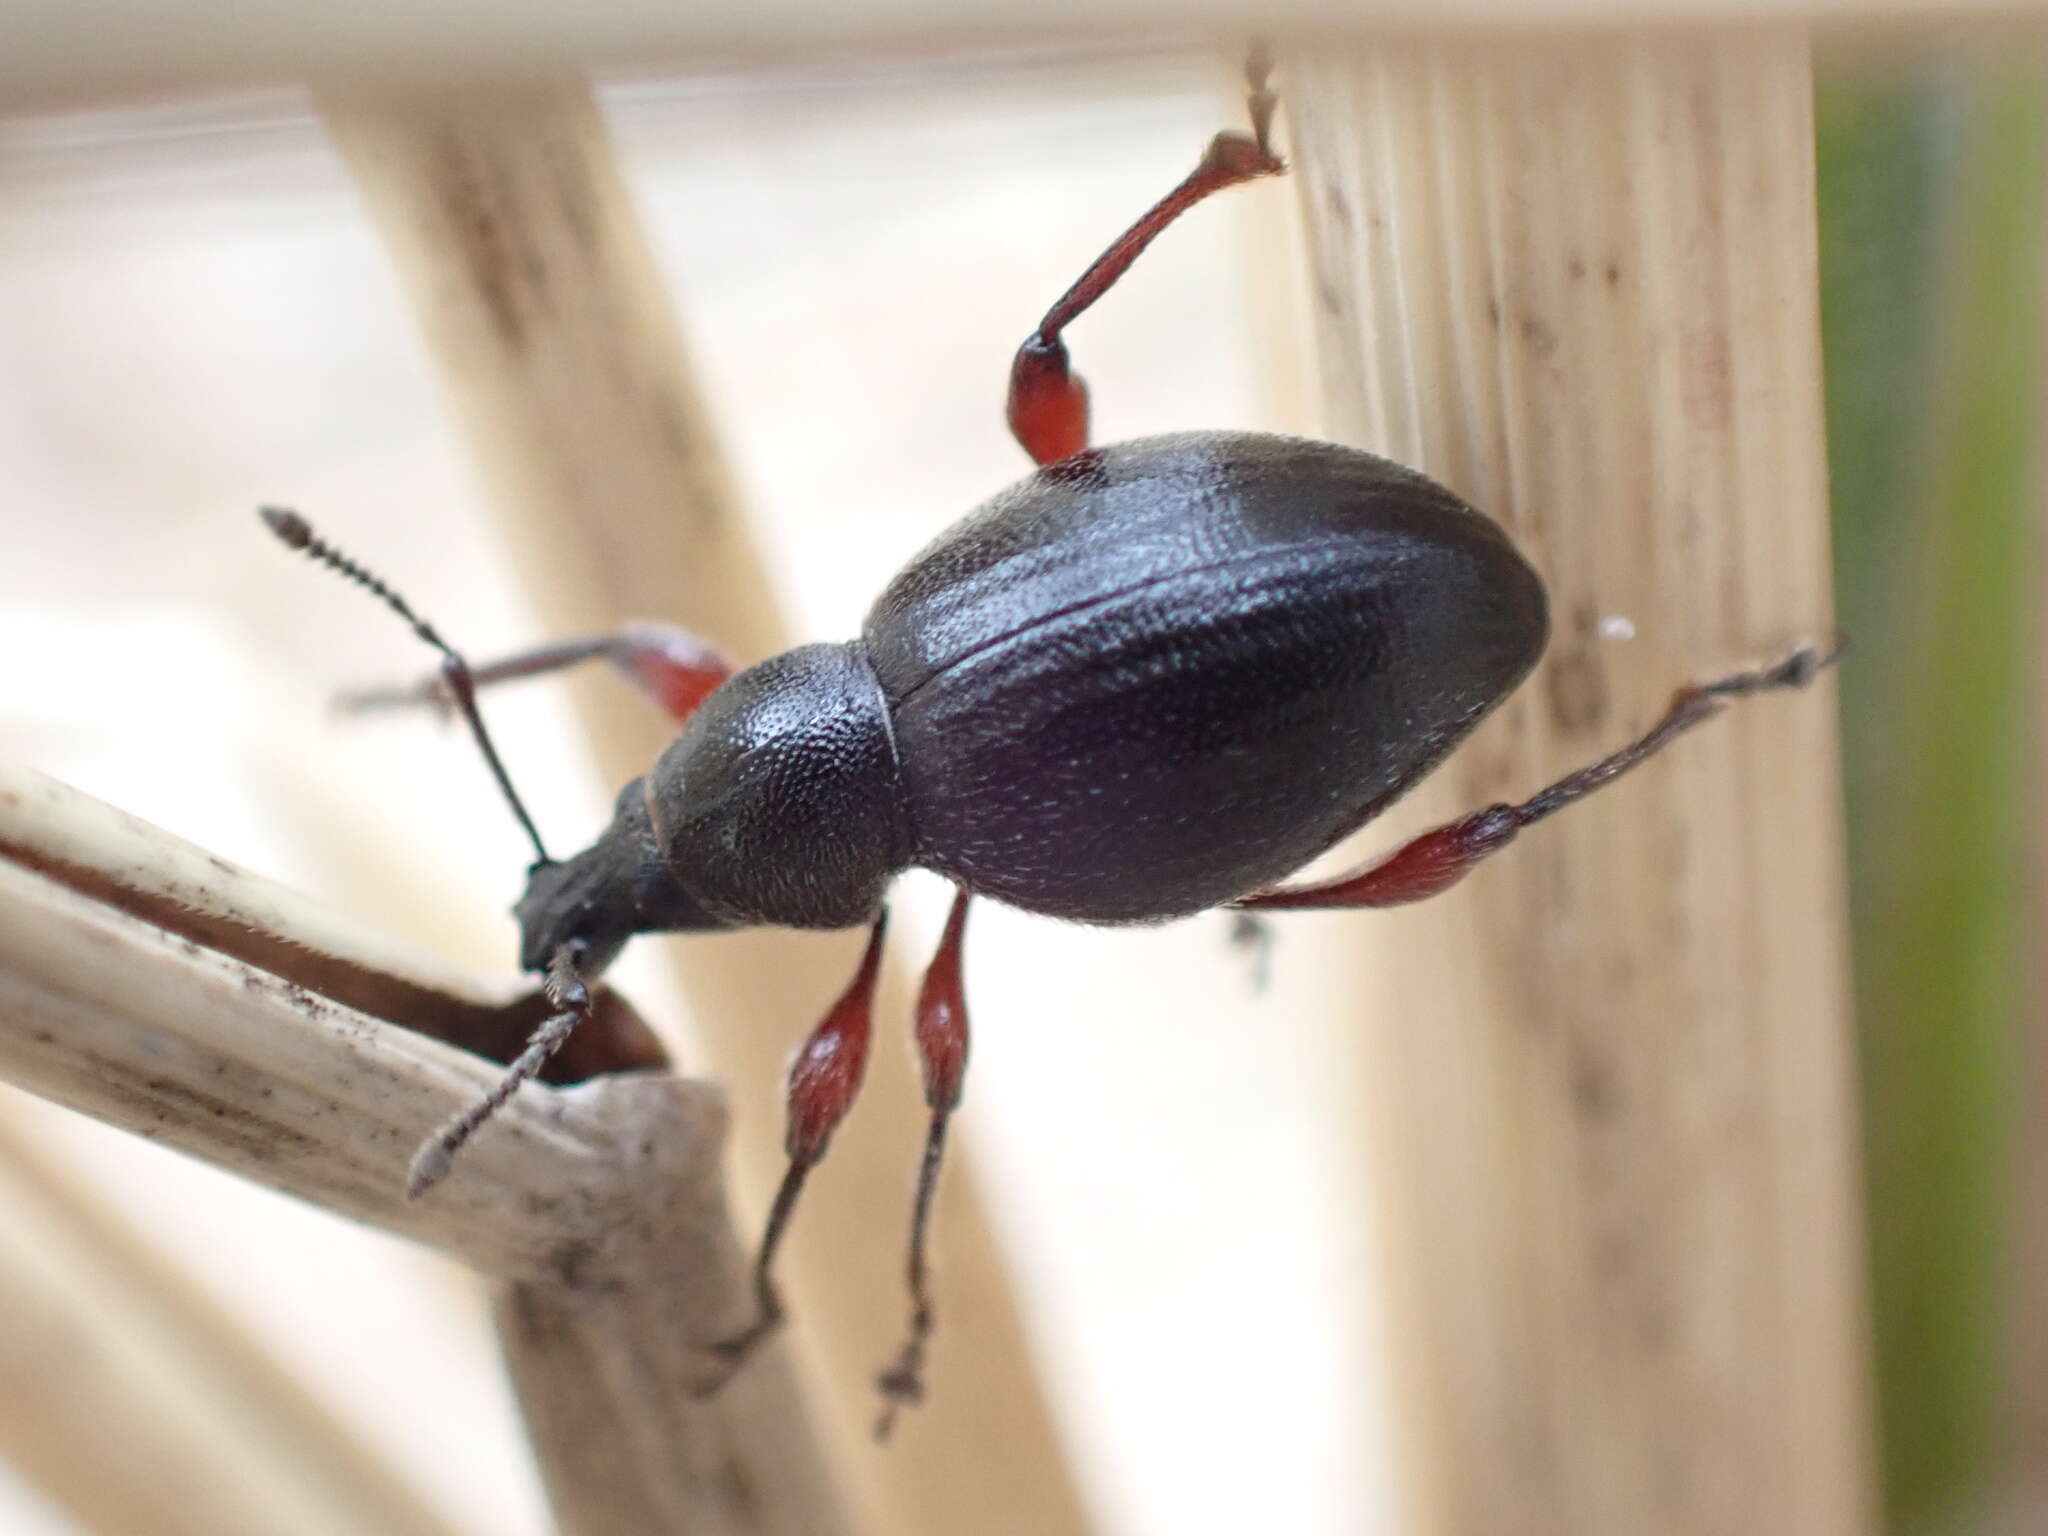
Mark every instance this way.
x=672 y=666
x=941 y=1029
x=1048 y=401
x=823 y=1080
x=1439 y=858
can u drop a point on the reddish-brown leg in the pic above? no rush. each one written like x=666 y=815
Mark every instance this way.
x=822 y=1083
x=942 y=1048
x=1439 y=858
x=1048 y=403
x=676 y=669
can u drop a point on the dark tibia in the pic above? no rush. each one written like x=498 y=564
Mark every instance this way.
x=1438 y=859
x=942 y=1050
x=732 y=1353
x=823 y=1081
x=1048 y=402
x=673 y=667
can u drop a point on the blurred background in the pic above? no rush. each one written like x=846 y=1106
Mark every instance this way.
x=196 y=317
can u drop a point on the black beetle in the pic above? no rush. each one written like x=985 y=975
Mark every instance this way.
x=1153 y=678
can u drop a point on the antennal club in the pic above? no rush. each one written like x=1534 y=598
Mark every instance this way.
x=296 y=532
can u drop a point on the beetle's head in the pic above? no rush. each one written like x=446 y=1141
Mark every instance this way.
x=619 y=886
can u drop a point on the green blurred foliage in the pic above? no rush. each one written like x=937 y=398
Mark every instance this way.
x=1931 y=273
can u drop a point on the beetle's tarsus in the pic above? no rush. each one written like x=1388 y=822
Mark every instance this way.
x=1796 y=669
x=902 y=1384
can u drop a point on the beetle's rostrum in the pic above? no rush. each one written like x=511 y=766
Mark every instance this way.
x=1150 y=679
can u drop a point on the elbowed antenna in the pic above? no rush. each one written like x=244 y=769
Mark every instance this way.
x=296 y=532
x=569 y=990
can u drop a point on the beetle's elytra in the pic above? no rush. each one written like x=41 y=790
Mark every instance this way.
x=1169 y=673
x=1150 y=679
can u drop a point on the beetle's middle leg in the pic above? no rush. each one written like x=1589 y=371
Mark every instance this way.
x=823 y=1080
x=941 y=1031
x=1438 y=859
x=1048 y=402
x=672 y=666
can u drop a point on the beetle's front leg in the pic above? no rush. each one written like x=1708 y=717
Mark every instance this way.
x=672 y=666
x=823 y=1080
x=1048 y=401
x=1438 y=859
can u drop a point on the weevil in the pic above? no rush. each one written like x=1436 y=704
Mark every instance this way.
x=1151 y=679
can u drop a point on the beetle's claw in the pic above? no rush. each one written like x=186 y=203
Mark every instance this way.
x=901 y=1386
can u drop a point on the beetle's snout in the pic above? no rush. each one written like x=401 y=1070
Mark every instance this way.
x=570 y=903
x=619 y=886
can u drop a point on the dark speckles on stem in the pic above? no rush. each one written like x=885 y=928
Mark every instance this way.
x=537 y=1205
x=485 y=242
x=1338 y=207
x=1577 y=685
x=1707 y=379
x=571 y=188
x=1613 y=274
x=493 y=283
x=737 y=1484
x=1592 y=1086
x=1577 y=691
x=169 y=1103
x=1536 y=333
x=1575 y=269
x=570 y=1264
x=1614 y=1257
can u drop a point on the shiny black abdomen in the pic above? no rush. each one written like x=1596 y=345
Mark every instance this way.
x=1165 y=673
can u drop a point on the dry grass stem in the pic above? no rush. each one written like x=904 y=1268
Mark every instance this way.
x=1576 y=283
x=599 y=1206
x=105 y=1342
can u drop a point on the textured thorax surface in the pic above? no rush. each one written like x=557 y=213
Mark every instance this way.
x=779 y=802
